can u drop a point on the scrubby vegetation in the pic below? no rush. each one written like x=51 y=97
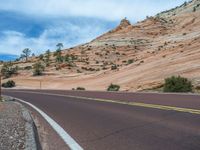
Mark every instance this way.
x=58 y=55
x=8 y=70
x=177 y=84
x=9 y=84
x=113 y=87
x=38 y=69
x=130 y=61
x=41 y=57
x=47 y=57
x=27 y=68
x=114 y=67
x=80 y=88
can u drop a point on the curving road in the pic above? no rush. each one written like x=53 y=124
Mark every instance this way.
x=96 y=122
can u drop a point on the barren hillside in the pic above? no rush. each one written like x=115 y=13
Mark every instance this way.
x=136 y=57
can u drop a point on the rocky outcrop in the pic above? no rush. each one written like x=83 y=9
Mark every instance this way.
x=124 y=23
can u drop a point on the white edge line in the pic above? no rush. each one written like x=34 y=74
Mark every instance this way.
x=73 y=145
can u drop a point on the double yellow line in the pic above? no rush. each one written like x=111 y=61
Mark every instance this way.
x=161 y=107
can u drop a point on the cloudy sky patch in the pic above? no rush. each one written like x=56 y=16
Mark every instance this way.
x=39 y=25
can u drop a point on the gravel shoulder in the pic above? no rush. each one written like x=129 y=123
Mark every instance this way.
x=16 y=127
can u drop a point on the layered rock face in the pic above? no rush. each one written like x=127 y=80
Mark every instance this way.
x=139 y=56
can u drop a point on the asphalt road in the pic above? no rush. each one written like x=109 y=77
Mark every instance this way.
x=110 y=126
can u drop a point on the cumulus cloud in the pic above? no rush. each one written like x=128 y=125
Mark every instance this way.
x=106 y=9
x=69 y=34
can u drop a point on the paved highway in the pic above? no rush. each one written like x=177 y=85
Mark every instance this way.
x=137 y=121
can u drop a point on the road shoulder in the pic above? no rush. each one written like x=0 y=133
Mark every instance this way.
x=16 y=127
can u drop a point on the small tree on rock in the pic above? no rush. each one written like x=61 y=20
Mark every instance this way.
x=26 y=53
x=59 y=46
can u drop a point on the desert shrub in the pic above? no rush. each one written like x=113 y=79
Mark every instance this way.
x=80 y=88
x=114 y=67
x=104 y=68
x=78 y=71
x=194 y=9
x=28 y=68
x=113 y=87
x=177 y=84
x=184 y=33
x=41 y=57
x=47 y=57
x=130 y=61
x=9 y=84
x=67 y=58
x=58 y=55
x=197 y=87
x=8 y=70
x=38 y=69
x=91 y=69
x=98 y=69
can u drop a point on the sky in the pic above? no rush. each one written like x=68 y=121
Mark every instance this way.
x=41 y=24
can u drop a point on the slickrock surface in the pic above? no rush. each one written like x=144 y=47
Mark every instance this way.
x=136 y=57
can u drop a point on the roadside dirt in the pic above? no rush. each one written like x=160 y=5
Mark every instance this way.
x=16 y=127
x=49 y=139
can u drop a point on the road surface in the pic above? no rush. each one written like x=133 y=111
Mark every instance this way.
x=98 y=124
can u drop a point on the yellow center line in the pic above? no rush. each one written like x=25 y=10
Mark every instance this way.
x=155 y=106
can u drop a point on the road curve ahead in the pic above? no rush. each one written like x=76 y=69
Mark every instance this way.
x=105 y=125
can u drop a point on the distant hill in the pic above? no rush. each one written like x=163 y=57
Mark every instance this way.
x=7 y=57
x=137 y=57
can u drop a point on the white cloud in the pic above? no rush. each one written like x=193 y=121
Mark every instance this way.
x=106 y=9
x=69 y=34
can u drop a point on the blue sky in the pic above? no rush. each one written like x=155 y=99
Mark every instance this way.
x=40 y=25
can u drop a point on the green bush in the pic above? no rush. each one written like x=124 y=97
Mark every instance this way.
x=38 y=69
x=58 y=55
x=28 y=68
x=9 y=84
x=8 y=70
x=177 y=84
x=130 y=61
x=114 y=67
x=41 y=57
x=113 y=87
x=80 y=88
